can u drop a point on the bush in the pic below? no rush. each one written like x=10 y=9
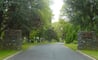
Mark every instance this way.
x=71 y=33
x=50 y=34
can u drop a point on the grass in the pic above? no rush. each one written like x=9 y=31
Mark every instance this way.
x=25 y=46
x=72 y=46
x=93 y=53
x=5 y=53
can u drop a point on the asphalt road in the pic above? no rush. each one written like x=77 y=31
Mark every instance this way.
x=49 y=52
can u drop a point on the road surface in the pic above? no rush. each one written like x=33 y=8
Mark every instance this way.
x=49 y=52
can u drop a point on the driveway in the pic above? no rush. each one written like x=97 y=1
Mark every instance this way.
x=49 y=52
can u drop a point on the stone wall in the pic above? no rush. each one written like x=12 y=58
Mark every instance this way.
x=12 y=39
x=87 y=40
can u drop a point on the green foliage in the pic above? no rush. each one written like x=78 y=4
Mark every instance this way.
x=83 y=16
x=71 y=33
x=56 y=26
x=24 y=15
x=32 y=17
x=93 y=53
x=33 y=34
x=82 y=13
x=6 y=53
x=66 y=31
x=50 y=34
x=72 y=46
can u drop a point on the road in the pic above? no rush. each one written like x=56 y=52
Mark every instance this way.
x=49 y=52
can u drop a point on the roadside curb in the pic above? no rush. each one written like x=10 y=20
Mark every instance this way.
x=86 y=55
x=12 y=55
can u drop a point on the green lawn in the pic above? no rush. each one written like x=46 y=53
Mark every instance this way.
x=72 y=46
x=93 y=53
x=5 y=53
x=25 y=46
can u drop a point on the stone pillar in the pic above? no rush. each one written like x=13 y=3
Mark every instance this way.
x=87 y=40
x=13 y=39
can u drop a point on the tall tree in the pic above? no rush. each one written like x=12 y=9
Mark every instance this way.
x=82 y=12
x=25 y=14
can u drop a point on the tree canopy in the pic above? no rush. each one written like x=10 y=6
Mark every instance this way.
x=24 y=14
x=82 y=12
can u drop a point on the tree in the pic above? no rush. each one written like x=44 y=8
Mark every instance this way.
x=25 y=15
x=44 y=14
x=66 y=31
x=50 y=34
x=82 y=12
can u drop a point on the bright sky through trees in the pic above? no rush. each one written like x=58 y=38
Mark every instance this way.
x=56 y=7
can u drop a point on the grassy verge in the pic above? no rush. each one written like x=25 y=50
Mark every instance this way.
x=5 y=53
x=93 y=53
x=25 y=46
x=72 y=46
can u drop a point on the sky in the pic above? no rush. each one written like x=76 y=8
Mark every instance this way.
x=56 y=7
